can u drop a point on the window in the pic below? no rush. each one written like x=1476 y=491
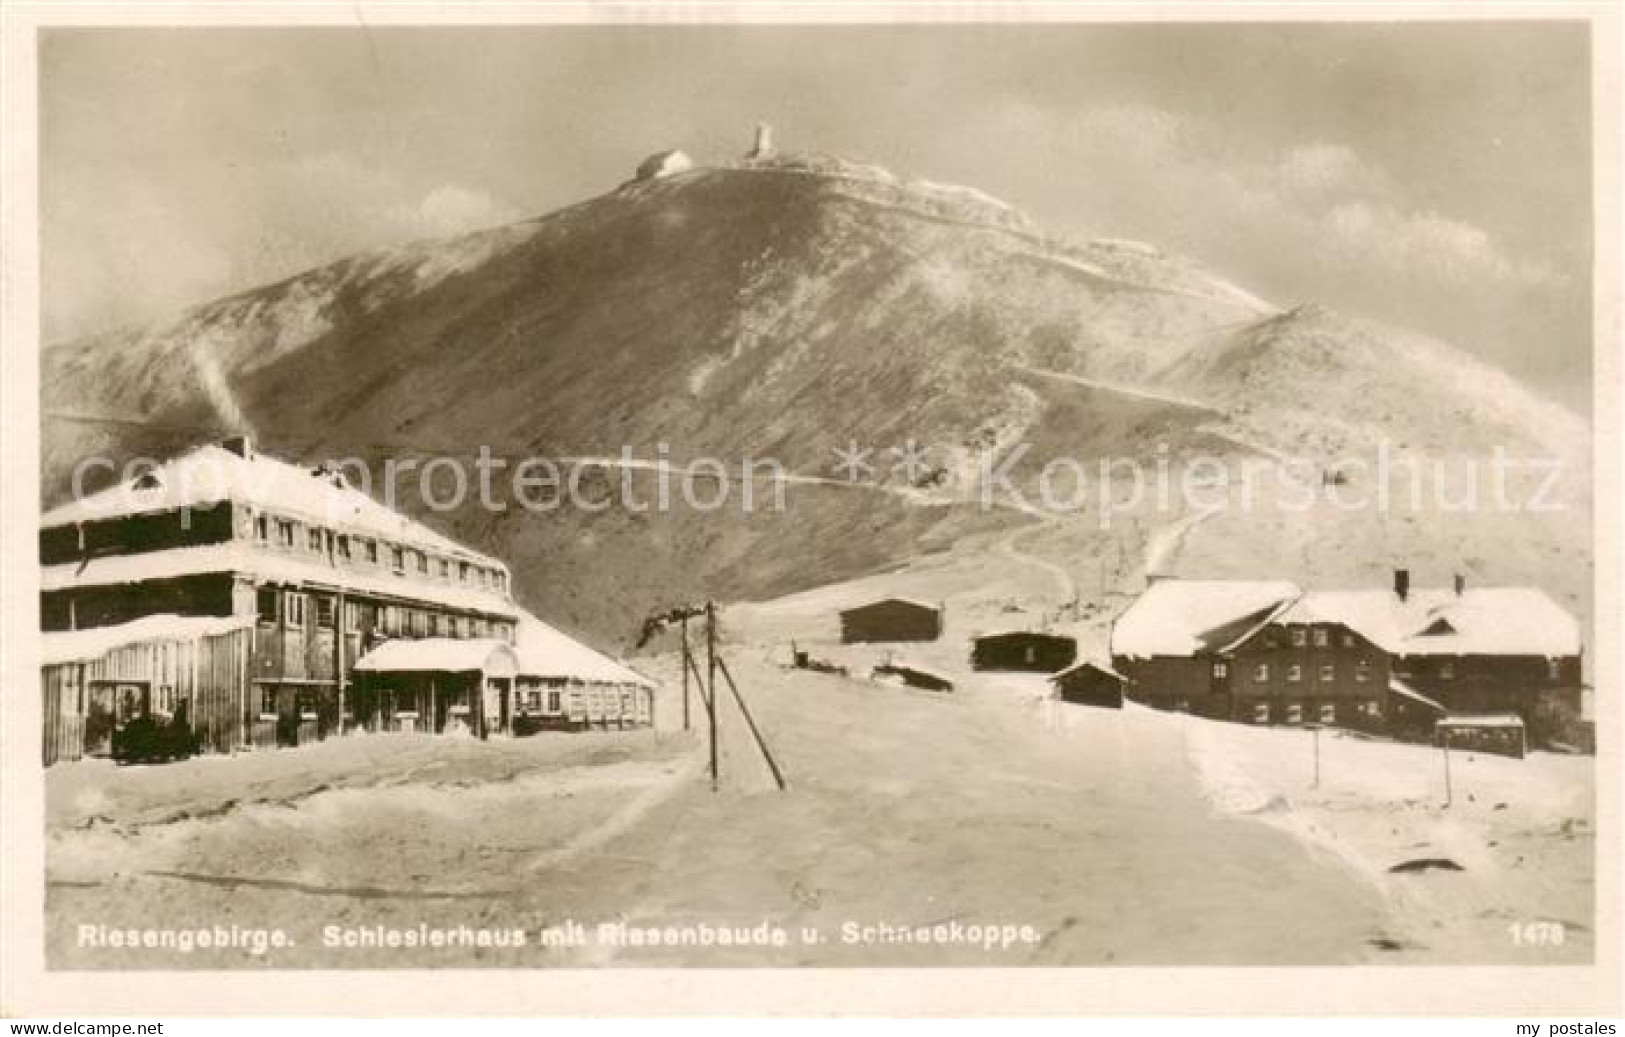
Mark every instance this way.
x=1300 y=637
x=344 y=545
x=533 y=700
x=1031 y=655
x=1328 y=673
x=1373 y=708
x=324 y=611
x=1261 y=712
x=1554 y=669
x=462 y=571
x=371 y=551
x=445 y=568
x=294 y=612
x=553 y=702
x=1322 y=637
x=1294 y=712
x=423 y=562
x=1221 y=670
x=1328 y=712
x=262 y=529
x=1294 y=673
x=434 y=624
x=284 y=532
x=1362 y=670
x=265 y=604
x=1261 y=672
x=1447 y=670
x=1348 y=639
x=313 y=539
x=397 y=559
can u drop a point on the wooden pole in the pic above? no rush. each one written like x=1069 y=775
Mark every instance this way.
x=1316 y=785
x=711 y=684
x=687 y=662
x=1446 y=746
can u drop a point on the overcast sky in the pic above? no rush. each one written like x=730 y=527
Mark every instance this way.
x=1436 y=176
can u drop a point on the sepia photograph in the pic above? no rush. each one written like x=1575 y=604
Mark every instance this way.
x=630 y=489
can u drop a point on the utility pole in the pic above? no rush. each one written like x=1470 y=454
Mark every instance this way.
x=711 y=682
x=1446 y=746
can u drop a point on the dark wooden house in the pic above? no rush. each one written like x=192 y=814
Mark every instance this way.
x=1091 y=683
x=1395 y=661
x=891 y=620
x=1172 y=643
x=913 y=675
x=1024 y=650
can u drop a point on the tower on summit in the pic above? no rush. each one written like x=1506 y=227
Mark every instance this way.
x=764 y=142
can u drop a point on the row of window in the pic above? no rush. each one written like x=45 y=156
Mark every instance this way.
x=293 y=608
x=1294 y=671
x=330 y=544
x=1325 y=713
x=1302 y=637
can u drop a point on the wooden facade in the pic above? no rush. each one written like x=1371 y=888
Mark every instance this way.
x=1304 y=673
x=891 y=620
x=204 y=676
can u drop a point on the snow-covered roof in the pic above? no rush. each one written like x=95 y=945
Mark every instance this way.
x=67 y=646
x=1399 y=687
x=907 y=666
x=1438 y=621
x=1480 y=720
x=1181 y=617
x=439 y=655
x=211 y=474
x=1059 y=635
x=268 y=564
x=892 y=599
x=545 y=651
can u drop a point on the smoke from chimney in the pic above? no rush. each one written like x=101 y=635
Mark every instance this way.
x=1402 y=583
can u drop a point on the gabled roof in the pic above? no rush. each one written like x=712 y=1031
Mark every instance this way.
x=1438 y=621
x=1089 y=664
x=211 y=474
x=547 y=652
x=1182 y=617
x=439 y=655
x=68 y=646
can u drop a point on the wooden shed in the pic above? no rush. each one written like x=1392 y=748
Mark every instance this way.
x=913 y=675
x=1029 y=651
x=162 y=666
x=891 y=620
x=1091 y=684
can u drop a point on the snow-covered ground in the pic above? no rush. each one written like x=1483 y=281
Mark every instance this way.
x=1521 y=831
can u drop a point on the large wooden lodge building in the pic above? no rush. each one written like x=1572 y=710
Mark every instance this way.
x=1393 y=661
x=278 y=604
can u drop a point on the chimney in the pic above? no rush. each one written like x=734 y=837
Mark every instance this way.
x=764 y=141
x=242 y=446
x=1461 y=584
x=1402 y=583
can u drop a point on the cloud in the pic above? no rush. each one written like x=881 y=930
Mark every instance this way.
x=452 y=209
x=1308 y=208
